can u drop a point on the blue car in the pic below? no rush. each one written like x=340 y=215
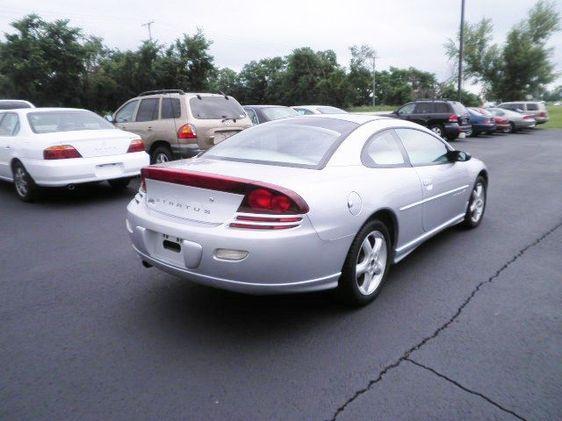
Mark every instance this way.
x=481 y=123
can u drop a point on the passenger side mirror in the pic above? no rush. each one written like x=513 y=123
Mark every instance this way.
x=109 y=118
x=458 y=156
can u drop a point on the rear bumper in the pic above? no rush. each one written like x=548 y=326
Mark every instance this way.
x=62 y=172
x=525 y=124
x=185 y=150
x=278 y=261
x=453 y=130
x=483 y=128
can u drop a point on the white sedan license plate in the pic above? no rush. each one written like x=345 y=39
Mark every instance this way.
x=109 y=170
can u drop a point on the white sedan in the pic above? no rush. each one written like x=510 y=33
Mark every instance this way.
x=50 y=147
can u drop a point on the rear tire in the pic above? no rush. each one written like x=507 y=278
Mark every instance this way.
x=161 y=154
x=476 y=204
x=25 y=187
x=366 y=266
x=119 y=183
x=438 y=130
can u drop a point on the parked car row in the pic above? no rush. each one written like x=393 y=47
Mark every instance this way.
x=171 y=124
x=452 y=120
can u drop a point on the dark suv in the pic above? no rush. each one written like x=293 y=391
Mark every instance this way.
x=448 y=119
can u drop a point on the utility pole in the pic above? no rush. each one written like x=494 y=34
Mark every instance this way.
x=147 y=24
x=461 y=51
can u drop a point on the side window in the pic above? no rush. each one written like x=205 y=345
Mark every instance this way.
x=423 y=148
x=252 y=114
x=9 y=124
x=532 y=107
x=171 y=108
x=148 y=110
x=442 y=108
x=407 y=109
x=125 y=114
x=423 y=108
x=383 y=149
x=303 y=111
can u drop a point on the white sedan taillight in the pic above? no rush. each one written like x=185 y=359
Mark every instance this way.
x=61 y=152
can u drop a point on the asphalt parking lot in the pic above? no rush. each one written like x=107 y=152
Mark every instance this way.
x=469 y=325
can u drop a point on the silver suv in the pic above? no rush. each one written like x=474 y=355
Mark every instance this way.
x=535 y=108
x=174 y=124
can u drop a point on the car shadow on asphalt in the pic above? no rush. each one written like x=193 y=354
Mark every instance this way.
x=182 y=307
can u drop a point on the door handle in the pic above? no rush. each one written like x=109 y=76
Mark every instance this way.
x=149 y=128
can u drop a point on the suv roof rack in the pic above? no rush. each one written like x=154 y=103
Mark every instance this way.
x=162 y=91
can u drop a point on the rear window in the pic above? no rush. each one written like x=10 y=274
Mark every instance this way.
x=306 y=143
x=216 y=108
x=66 y=121
x=459 y=108
x=275 y=113
x=13 y=105
x=330 y=110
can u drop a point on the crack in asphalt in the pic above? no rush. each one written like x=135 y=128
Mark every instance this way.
x=466 y=389
x=444 y=326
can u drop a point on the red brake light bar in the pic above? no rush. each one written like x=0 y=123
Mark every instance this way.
x=259 y=197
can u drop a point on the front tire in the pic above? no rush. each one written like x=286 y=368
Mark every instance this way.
x=476 y=204
x=366 y=267
x=25 y=187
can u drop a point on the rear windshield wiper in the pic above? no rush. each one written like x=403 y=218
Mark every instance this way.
x=225 y=118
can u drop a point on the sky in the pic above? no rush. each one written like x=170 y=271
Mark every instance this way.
x=403 y=32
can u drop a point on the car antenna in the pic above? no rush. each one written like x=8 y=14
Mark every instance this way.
x=223 y=94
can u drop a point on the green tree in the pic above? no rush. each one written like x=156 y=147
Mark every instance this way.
x=522 y=65
x=360 y=74
x=46 y=62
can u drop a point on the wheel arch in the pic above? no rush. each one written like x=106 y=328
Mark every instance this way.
x=158 y=143
x=389 y=219
x=484 y=174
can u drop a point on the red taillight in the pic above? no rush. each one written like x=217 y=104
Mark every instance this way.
x=187 y=131
x=527 y=117
x=259 y=197
x=61 y=152
x=542 y=114
x=265 y=199
x=137 y=145
x=453 y=118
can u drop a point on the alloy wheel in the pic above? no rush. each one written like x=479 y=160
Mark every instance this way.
x=437 y=130
x=161 y=158
x=20 y=180
x=371 y=263
x=477 y=203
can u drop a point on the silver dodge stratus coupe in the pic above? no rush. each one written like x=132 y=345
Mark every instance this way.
x=305 y=204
